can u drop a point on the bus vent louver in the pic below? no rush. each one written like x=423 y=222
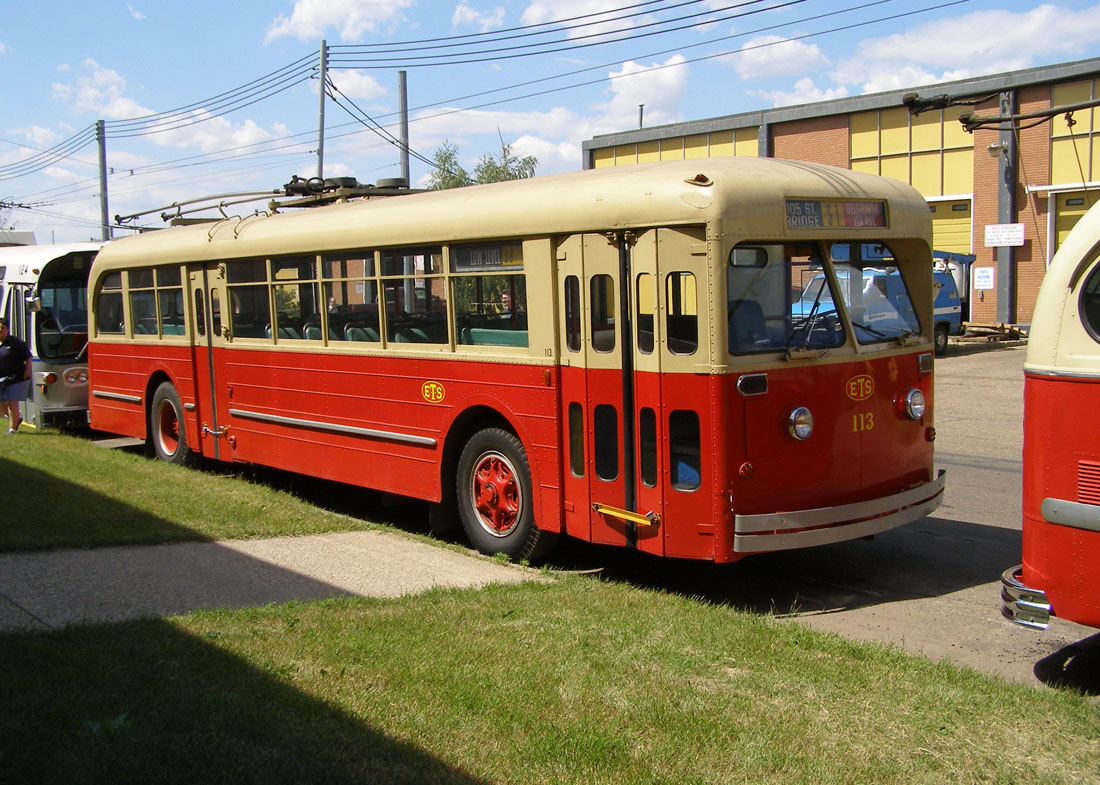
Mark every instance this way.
x=1088 y=482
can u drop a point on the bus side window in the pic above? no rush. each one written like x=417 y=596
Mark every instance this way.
x=647 y=306
x=573 y=313
x=606 y=434
x=683 y=313
x=576 y=439
x=1089 y=304
x=647 y=419
x=683 y=450
x=602 y=309
x=110 y=318
x=200 y=314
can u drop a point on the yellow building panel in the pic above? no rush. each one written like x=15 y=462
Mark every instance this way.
x=866 y=165
x=604 y=156
x=926 y=173
x=863 y=132
x=954 y=135
x=672 y=149
x=696 y=146
x=1073 y=93
x=1069 y=160
x=1069 y=209
x=721 y=144
x=746 y=142
x=958 y=171
x=894 y=130
x=1095 y=158
x=649 y=152
x=952 y=226
x=896 y=166
x=926 y=131
x=625 y=155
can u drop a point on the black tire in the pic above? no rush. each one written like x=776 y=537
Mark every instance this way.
x=495 y=503
x=167 y=434
x=940 y=340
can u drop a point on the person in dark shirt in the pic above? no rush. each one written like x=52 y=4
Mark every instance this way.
x=15 y=375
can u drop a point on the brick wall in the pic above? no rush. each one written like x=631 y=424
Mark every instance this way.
x=822 y=140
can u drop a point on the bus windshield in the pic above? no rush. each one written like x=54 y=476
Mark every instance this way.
x=63 y=320
x=780 y=297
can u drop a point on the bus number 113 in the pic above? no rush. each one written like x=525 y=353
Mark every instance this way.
x=864 y=421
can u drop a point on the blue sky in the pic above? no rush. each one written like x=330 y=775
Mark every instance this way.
x=65 y=65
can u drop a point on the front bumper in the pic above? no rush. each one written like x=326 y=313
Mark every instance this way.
x=824 y=525
x=1022 y=604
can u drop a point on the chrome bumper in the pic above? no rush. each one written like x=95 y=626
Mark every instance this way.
x=1022 y=604
x=804 y=528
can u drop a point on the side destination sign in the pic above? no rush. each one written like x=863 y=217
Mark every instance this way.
x=835 y=214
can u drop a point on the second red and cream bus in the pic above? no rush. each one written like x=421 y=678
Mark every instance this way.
x=1060 y=573
x=612 y=355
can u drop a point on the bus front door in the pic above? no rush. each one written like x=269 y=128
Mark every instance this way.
x=211 y=333
x=600 y=411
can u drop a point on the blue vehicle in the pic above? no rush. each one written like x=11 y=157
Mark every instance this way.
x=881 y=306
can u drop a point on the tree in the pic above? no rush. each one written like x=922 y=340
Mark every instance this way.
x=448 y=171
x=450 y=174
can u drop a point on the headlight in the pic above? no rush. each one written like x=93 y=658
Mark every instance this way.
x=800 y=424
x=914 y=404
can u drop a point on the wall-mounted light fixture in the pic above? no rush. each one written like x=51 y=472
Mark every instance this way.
x=998 y=148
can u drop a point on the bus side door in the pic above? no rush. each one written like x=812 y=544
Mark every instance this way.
x=211 y=334
x=591 y=385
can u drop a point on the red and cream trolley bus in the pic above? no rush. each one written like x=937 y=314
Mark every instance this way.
x=1060 y=574
x=613 y=355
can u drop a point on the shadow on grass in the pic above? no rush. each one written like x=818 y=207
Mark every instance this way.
x=147 y=702
x=43 y=511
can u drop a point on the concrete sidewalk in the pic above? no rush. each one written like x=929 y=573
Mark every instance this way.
x=52 y=589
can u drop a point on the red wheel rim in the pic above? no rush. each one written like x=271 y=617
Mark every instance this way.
x=168 y=428
x=495 y=494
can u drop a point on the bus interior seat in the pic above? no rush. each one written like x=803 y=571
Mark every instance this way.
x=747 y=329
x=360 y=332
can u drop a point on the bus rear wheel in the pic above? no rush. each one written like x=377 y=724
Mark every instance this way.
x=166 y=429
x=495 y=502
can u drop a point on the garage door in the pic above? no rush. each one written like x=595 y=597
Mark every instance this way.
x=951 y=226
x=1068 y=210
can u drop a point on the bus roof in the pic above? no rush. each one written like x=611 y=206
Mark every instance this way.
x=1057 y=340
x=24 y=263
x=742 y=197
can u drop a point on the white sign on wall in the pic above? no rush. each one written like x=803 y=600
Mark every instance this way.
x=983 y=277
x=1001 y=235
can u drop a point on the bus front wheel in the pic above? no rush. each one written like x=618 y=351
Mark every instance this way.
x=166 y=428
x=495 y=501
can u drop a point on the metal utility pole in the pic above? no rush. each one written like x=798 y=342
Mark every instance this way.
x=321 y=111
x=641 y=110
x=104 y=216
x=403 y=93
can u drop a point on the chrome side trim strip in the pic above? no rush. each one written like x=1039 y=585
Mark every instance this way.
x=1073 y=514
x=317 y=425
x=1022 y=604
x=117 y=396
x=1063 y=374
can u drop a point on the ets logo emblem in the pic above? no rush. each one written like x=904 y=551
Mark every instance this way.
x=433 y=392
x=861 y=387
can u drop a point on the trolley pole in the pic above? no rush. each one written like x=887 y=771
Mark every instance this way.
x=104 y=215
x=403 y=92
x=321 y=111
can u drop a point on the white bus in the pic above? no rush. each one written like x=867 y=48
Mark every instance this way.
x=43 y=295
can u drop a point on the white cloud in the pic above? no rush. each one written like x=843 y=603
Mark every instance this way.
x=358 y=84
x=805 y=92
x=982 y=42
x=3 y=48
x=98 y=90
x=553 y=157
x=39 y=137
x=310 y=18
x=660 y=87
x=467 y=15
x=593 y=11
x=138 y=15
x=772 y=55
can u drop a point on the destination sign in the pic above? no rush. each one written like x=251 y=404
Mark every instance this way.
x=835 y=214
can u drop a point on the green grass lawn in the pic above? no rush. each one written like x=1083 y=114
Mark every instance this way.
x=575 y=680
x=64 y=491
